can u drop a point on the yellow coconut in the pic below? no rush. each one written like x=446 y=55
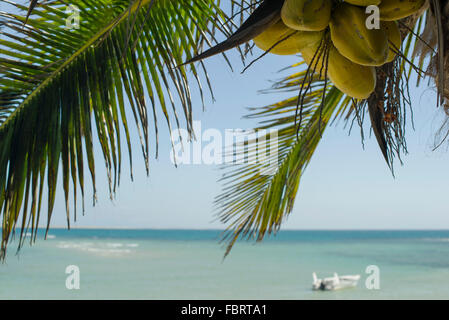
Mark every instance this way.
x=307 y=15
x=391 y=10
x=285 y=41
x=394 y=38
x=354 y=40
x=355 y=80
x=363 y=3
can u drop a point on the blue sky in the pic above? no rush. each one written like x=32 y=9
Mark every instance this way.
x=344 y=187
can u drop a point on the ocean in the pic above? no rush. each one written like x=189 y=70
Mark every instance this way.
x=189 y=264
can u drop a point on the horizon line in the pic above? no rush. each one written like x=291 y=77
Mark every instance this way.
x=217 y=229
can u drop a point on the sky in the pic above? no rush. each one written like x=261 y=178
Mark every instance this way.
x=344 y=187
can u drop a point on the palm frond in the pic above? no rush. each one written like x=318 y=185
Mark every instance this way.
x=267 y=13
x=433 y=46
x=254 y=203
x=60 y=87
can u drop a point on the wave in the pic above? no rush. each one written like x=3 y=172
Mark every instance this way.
x=105 y=249
x=29 y=235
x=114 y=245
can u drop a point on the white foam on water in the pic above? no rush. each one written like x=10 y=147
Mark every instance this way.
x=114 y=245
x=104 y=249
x=49 y=236
x=108 y=251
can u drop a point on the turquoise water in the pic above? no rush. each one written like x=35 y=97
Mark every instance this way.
x=188 y=264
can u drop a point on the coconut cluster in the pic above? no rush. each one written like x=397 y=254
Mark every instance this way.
x=354 y=49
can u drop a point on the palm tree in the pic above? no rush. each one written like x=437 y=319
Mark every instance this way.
x=61 y=88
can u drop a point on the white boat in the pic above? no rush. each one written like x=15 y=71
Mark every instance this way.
x=335 y=283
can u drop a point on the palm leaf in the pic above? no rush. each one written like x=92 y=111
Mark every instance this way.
x=253 y=203
x=62 y=87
